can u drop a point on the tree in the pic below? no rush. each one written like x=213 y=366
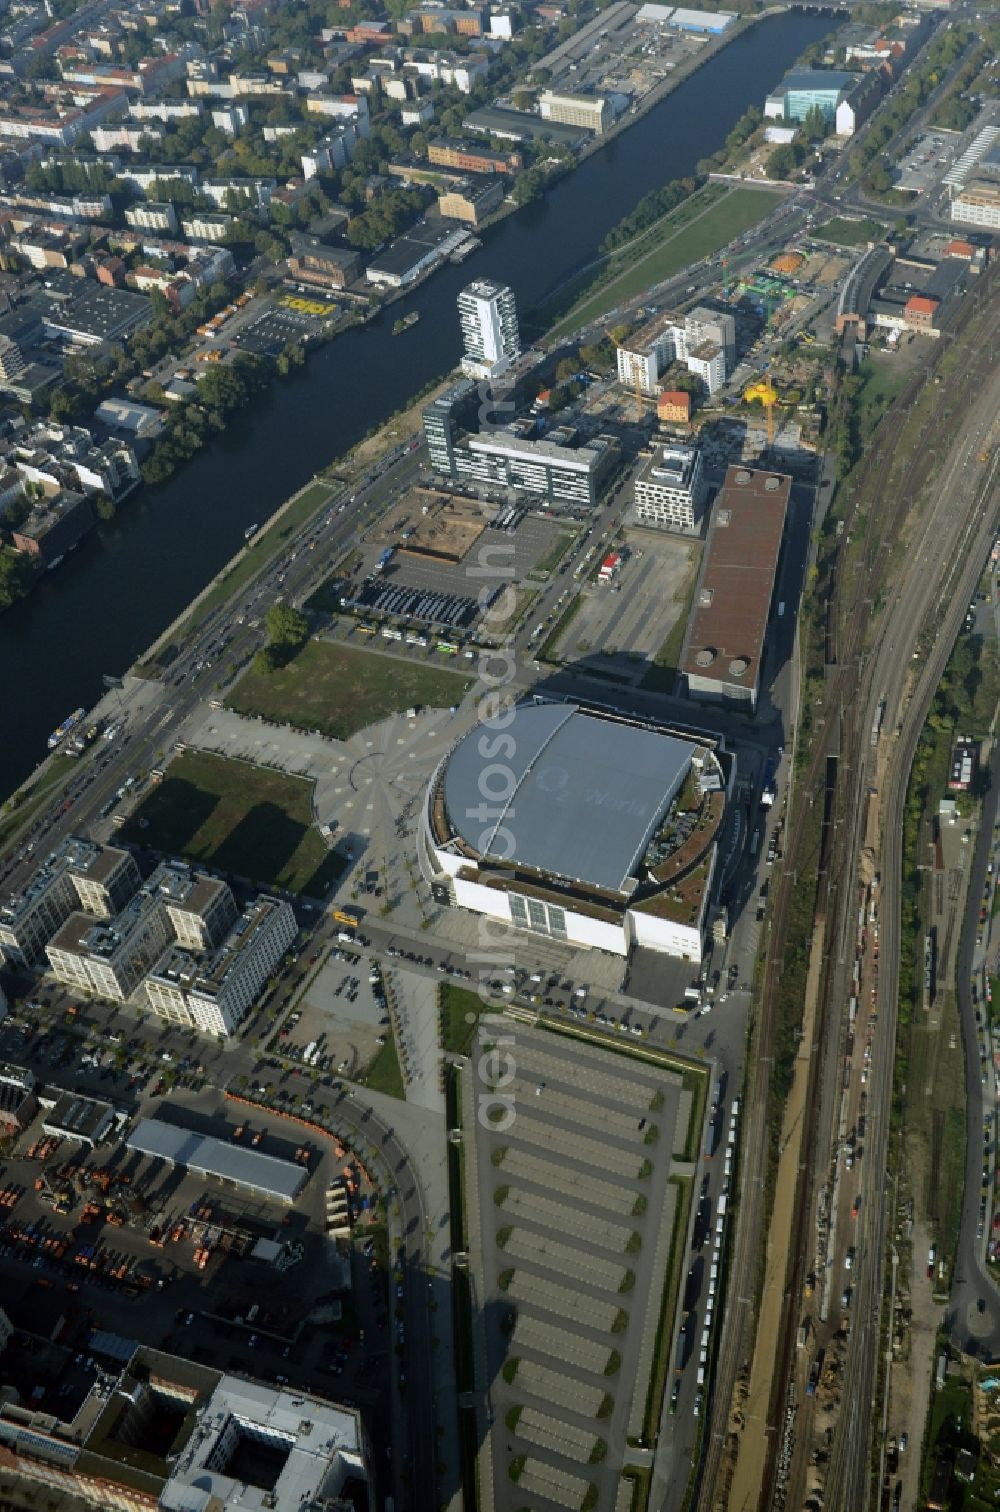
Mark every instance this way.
x=266 y=661
x=528 y=186
x=17 y=511
x=287 y=629
x=16 y=576
x=784 y=160
x=815 y=125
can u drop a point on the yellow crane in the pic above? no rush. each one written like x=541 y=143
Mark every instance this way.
x=766 y=394
x=633 y=364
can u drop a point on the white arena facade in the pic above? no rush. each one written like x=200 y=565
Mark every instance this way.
x=582 y=826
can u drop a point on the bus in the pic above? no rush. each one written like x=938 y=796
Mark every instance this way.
x=365 y=629
x=390 y=634
x=448 y=648
x=346 y=913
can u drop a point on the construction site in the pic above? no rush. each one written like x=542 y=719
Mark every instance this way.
x=426 y=523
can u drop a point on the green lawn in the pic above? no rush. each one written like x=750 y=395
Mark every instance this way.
x=338 y=690
x=881 y=380
x=384 y=1073
x=238 y=818
x=849 y=233
x=678 y=241
x=460 y=1012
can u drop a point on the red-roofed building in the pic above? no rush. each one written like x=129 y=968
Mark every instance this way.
x=673 y=407
x=110 y=271
x=919 y=313
x=963 y=249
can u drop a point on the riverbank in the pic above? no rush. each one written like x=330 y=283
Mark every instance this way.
x=293 y=515
x=188 y=428
x=112 y=602
x=699 y=227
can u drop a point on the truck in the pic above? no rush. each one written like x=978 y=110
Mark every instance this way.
x=768 y=790
x=680 y=1354
x=815 y=1371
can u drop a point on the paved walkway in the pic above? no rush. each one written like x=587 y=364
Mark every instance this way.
x=416 y=997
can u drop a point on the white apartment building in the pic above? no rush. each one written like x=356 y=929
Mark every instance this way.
x=201 y=909
x=703 y=324
x=488 y=317
x=978 y=204
x=164 y=110
x=255 y=191
x=110 y=957
x=143 y=179
x=132 y=138
x=231 y=119
x=207 y=226
x=592 y=112
x=708 y=362
x=705 y=342
x=333 y=151
x=649 y=352
x=153 y=215
x=670 y=490
x=79 y=875
x=214 y=991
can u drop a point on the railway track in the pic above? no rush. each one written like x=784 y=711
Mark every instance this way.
x=849 y=1480
x=854 y=614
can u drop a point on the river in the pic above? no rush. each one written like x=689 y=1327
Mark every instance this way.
x=126 y=583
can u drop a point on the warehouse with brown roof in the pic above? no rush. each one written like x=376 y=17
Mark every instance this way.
x=724 y=645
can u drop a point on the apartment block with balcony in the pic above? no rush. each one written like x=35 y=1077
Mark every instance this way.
x=214 y=991
x=110 y=958
x=201 y=908
x=79 y=875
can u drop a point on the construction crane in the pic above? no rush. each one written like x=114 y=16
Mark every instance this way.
x=634 y=366
x=766 y=394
